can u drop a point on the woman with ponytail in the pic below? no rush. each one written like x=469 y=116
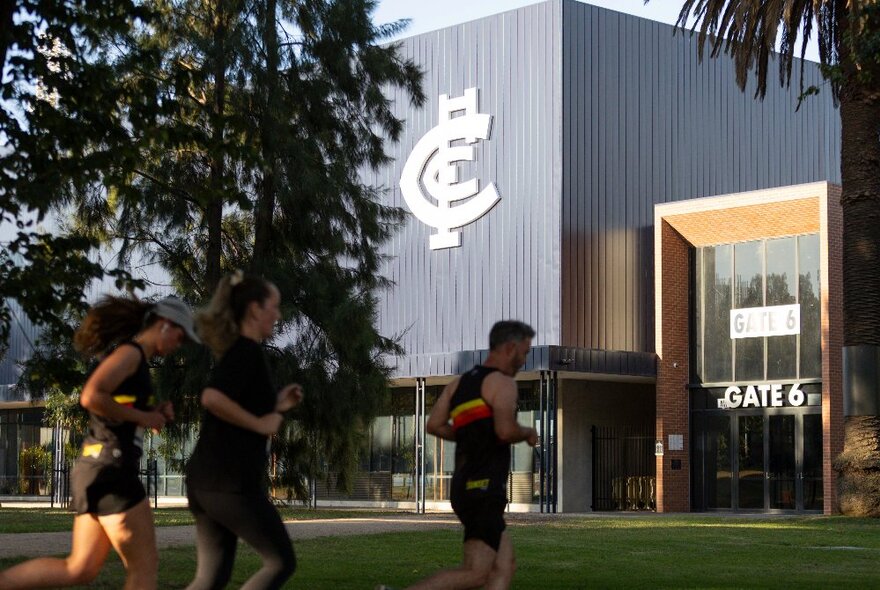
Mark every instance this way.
x=109 y=500
x=227 y=473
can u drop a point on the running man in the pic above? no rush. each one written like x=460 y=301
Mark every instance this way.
x=478 y=412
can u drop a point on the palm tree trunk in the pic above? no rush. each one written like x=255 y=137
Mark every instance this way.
x=858 y=484
x=858 y=487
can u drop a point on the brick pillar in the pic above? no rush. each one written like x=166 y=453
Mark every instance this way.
x=671 y=280
x=831 y=238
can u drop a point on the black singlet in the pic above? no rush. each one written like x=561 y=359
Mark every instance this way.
x=119 y=441
x=482 y=461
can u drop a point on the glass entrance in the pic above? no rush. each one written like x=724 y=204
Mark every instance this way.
x=750 y=442
x=781 y=463
x=757 y=461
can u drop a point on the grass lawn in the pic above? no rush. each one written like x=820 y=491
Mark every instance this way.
x=678 y=551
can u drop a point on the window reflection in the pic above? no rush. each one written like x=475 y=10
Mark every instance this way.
x=781 y=290
x=387 y=468
x=718 y=349
x=757 y=274
x=811 y=316
x=748 y=261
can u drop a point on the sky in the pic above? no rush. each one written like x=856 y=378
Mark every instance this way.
x=429 y=15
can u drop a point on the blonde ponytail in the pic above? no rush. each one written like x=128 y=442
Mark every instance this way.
x=219 y=323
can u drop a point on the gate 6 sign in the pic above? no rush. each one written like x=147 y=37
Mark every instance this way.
x=433 y=167
x=757 y=322
x=767 y=395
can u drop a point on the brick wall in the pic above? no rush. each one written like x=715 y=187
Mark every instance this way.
x=673 y=413
x=832 y=342
x=723 y=220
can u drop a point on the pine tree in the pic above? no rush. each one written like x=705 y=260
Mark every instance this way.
x=272 y=109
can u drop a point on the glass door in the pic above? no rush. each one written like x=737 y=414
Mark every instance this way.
x=782 y=463
x=811 y=469
x=751 y=463
x=766 y=461
x=713 y=466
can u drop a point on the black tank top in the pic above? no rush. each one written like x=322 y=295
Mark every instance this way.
x=119 y=442
x=482 y=461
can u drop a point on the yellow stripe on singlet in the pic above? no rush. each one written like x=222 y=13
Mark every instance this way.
x=474 y=403
x=124 y=399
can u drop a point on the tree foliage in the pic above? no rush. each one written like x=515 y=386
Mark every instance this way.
x=64 y=129
x=262 y=116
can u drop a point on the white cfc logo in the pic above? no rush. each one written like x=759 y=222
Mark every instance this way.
x=433 y=164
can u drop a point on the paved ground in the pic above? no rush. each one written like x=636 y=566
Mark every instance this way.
x=34 y=544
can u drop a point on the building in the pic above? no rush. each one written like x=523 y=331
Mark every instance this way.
x=579 y=169
x=550 y=175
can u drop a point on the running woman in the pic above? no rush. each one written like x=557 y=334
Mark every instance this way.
x=109 y=500
x=228 y=471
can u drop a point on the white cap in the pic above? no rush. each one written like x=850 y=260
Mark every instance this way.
x=175 y=310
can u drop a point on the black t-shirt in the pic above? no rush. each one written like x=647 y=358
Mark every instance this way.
x=228 y=458
x=120 y=442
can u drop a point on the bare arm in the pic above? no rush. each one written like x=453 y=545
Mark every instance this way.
x=97 y=393
x=438 y=421
x=228 y=410
x=499 y=391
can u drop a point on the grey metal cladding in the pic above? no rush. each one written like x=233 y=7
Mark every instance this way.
x=597 y=116
x=444 y=301
x=645 y=122
x=23 y=335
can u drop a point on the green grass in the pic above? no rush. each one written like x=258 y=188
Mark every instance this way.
x=50 y=520
x=679 y=551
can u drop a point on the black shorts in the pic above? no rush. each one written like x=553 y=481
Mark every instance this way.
x=482 y=518
x=103 y=489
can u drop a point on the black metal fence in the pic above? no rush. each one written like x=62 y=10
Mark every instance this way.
x=623 y=468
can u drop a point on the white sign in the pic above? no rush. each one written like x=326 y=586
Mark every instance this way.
x=767 y=395
x=676 y=442
x=433 y=166
x=754 y=322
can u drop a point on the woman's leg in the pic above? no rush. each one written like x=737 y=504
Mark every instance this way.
x=264 y=530
x=251 y=518
x=134 y=538
x=90 y=547
x=215 y=553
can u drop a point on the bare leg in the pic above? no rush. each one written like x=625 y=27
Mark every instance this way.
x=478 y=561
x=134 y=538
x=90 y=547
x=504 y=566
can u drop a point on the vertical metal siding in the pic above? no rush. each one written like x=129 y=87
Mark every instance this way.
x=23 y=335
x=508 y=265
x=645 y=122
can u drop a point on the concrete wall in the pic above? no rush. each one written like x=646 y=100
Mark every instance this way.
x=583 y=404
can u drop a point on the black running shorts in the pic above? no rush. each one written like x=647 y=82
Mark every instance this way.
x=483 y=519
x=102 y=489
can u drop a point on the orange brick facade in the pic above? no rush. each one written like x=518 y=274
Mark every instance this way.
x=682 y=226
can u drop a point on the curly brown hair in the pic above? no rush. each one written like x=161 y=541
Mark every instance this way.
x=110 y=321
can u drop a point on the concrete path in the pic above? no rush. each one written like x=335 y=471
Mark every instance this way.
x=36 y=544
